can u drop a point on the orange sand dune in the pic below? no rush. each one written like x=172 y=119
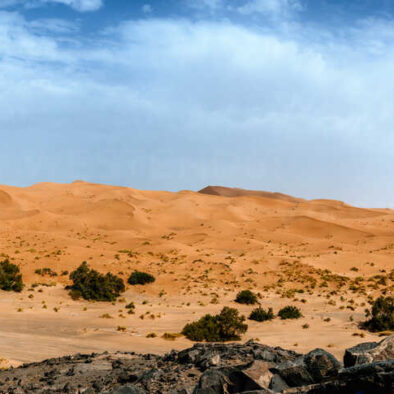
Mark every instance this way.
x=201 y=246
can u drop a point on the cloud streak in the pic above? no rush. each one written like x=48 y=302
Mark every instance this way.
x=78 y=5
x=277 y=8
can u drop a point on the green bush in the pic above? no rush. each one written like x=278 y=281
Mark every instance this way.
x=91 y=285
x=289 y=312
x=246 y=297
x=382 y=313
x=259 y=314
x=140 y=278
x=10 y=277
x=226 y=326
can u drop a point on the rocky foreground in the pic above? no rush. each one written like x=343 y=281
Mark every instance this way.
x=212 y=368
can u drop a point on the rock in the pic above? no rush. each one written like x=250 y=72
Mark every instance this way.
x=321 y=364
x=188 y=356
x=294 y=373
x=370 y=352
x=215 y=360
x=375 y=378
x=185 y=390
x=232 y=380
x=259 y=371
x=275 y=355
x=213 y=381
x=208 y=362
x=207 y=369
x=314 y=367
x=128 y=389
x=277 y=384
x=125 y=377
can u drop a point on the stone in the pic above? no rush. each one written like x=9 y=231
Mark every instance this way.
x=369 y=352
x=215 y=360
x=128 y=389
x=259 y=371
x=213 y=381
x=321 y=364
x=277 y=384
x=231 y=380
x=294 y=373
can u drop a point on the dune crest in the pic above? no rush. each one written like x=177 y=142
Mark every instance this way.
x=236 y=192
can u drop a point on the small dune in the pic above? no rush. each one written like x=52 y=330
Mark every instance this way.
x=5 y=199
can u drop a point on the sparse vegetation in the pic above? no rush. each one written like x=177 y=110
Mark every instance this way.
x=45 y=272
x=382 y=315
x=130 y=308
x=228 y=325
x=260 y=314
x=169 y=336
x=140 y=278
x=289 y=312
x=246 y=297
x=91 y=285
x=10 y=277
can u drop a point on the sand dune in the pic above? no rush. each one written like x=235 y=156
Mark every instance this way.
x=236 y=192
x=201 y=246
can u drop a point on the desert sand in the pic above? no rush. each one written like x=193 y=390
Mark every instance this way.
x=324 y=256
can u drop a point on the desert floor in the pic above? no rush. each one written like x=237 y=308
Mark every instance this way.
x=326 y=257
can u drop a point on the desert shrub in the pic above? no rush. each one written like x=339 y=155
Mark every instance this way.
x=140 y=278
x=10 y=277
x=91 y=285
x=130 y=308
x=45 y=272
x=169 y=336
x=246 y=297
x=289 y=312
x=382 y=315
x=260 y=314
x=226 y=326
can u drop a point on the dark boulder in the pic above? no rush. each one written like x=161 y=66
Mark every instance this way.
x=233 y=380
x=375 y=378
x=321 y=365
x=315 y=367
x=294 y=373
x=370 y=352
x=213 y=381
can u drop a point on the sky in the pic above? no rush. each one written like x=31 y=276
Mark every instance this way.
x=294 y=96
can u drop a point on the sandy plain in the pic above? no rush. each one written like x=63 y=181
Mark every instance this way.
x=324 y=256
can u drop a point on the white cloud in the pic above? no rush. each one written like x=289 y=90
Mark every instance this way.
x=211 y=5
x=167 y=101
x=271 y=7
x=54 y=25
x=78 y=5
x=268 y=8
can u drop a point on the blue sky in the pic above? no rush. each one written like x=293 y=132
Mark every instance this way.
x=295 y=96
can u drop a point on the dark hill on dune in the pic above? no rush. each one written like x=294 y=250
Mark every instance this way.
x=237 y=192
